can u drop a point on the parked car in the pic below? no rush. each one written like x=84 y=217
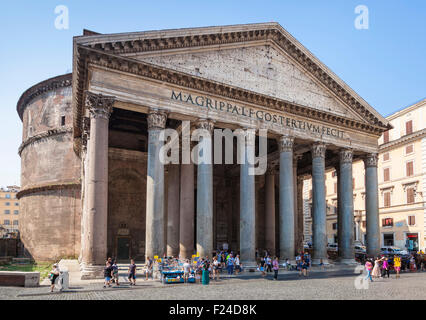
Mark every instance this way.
x=393 y=250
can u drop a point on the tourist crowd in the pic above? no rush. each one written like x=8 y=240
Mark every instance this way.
x=381 y=266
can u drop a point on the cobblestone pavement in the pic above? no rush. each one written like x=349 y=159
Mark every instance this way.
x=332 y=285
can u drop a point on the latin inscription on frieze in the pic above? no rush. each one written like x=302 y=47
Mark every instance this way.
x=260 y=115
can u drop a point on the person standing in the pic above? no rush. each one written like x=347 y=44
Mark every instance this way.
x=385 y=267
x=115 y=272
x=275 y=267
x=397 y=265
x=376 y=269
x=237 y=264
x=186 y=270
x=262 y=266
x=54 y=274
x=216 y=265
x=369 y=268
x=132 y=272
x=299 y=264
x=230 y=262
x=268 y=264
x=305 y=265
x=412 y=264
x=107 y=274
x=149 y=265
x=299 y=260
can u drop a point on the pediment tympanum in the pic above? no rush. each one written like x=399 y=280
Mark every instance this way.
x=262 y=69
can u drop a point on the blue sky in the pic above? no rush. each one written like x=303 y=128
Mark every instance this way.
x=385 y=64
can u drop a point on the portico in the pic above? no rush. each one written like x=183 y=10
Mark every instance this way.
x=312 y=120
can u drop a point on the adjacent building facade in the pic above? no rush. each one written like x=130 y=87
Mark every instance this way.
x=402 y=183
x=9 y=211
x=93 y=184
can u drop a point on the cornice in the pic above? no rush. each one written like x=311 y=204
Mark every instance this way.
x=151 y=41
x=42 y=136
x=48 y=187
x=61 y=81
x=406 y=110
x=403 y=140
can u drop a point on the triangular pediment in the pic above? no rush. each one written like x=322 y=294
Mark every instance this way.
x=262 y=69
x=260 y=58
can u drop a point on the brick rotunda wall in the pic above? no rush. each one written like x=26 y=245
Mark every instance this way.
x=50 y=172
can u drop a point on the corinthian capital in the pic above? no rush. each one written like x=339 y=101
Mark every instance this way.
x=285 y=144
x=318 y=150
x=206 y=125
x=156 y=120
x=99 y=106
x=346 y=155
x=370 y=160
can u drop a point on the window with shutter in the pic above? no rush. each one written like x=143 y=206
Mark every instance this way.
x=411 y=220
x=386 y=174
x=409 y=127
x=410 y=195
x=386 y=137
x=386 y=156
x=409 y=168
x=335 y=187
x=409 y=149
x=386 y=199
x=364 y=224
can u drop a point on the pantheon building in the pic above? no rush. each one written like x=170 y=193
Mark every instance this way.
x=93 y=185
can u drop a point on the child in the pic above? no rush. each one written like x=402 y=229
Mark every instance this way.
x=107 y=274
x=369 y=268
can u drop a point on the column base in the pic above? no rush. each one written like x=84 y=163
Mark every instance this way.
x=89 y=272
x=316 y=262
x=343 y=261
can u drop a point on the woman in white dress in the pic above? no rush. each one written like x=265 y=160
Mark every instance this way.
x=376 y=269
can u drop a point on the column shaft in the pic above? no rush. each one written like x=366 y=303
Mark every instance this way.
x=186 y=225
x=270 y=211
x=247 y=204
x=155 y=188
x=300 y=222
x=205 y=192
x=319 y=226
x=96 y=179
x=346 y=209
x=286 y=200
x=173 y=219
x=372 y=205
